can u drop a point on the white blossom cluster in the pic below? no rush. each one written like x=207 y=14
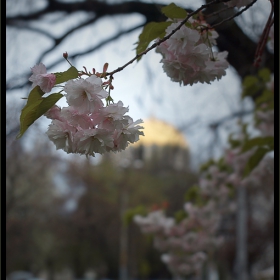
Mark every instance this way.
x=86 y=126
x=188 y=57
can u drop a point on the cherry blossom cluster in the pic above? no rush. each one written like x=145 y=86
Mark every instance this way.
x=186 y=244
x=265 y=122
x=237 y=160
x=188 y=57
x=86 y=126
x=261 y=174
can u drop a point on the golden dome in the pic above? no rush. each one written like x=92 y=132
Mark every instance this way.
x=160 y=133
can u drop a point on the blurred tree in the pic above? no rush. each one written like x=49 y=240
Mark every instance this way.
x=31 y=209
x=241 y=46
x=37 y=237
x=96 y=221
x=44 y=235
x=46 y=26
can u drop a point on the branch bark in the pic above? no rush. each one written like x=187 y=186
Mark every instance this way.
x=231 y=38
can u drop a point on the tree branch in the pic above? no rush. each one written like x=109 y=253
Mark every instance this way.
x=231 y=38
x=73 y=56
x=59 y=40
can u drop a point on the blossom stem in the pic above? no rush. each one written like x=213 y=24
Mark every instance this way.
x=210 y=46
x=68 y=61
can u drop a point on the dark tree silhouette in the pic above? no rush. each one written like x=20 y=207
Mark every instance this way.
x=232 y=38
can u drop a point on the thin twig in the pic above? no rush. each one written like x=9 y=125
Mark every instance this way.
x=231 y=17
x=264 y=36
x=163 y=39
x=218 y=12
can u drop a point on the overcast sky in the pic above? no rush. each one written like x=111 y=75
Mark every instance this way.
x=142 y=86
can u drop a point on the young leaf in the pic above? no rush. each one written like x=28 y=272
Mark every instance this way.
x=28 y=114
x=264 y=74
x=31 y=112
x=267 y=142
x=192 y=193
x=47 y=103
x=173 y=11
x=206 y=165
x=71 y=73
x=250 y=86
x=34 y=95
x=150 y=32
x=266 y=97
x=180 y=215
x=233 y=142
x=254 y=160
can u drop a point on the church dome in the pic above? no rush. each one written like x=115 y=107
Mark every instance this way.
x=160 y=133
x=162 y=147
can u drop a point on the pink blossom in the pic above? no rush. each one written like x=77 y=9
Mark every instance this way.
x=91 y=141
x=265 y=122
x=54 y=113
x=112 y=116
x=41 y=78
x=128 y=134
x=62 y=134
x=215 y=68
x=115 y=111
x=85 y=95
x=187 y=55
x=70 y=115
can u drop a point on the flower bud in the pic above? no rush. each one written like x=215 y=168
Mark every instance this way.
x=65 y=55
x=105 y=67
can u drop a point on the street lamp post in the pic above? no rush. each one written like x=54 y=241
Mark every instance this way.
x=123 y=268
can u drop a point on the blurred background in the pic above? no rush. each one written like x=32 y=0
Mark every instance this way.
x=64 y=213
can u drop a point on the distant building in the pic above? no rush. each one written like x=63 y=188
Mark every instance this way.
x=162 y=147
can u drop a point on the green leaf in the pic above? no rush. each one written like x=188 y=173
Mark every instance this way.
x=130 y=213
x=28 y=114
x=233 y=142
x=35 y=109
x=222 y=165
x=254 y=160
x=264 y=74
x=268 y=142
x=250 y=86
x=206 y=165
x=192 y=194
x=151 y=31
x=173 y=11
x=47 y=103
x=71 y=73
x=266 y=97
x=180 y=215
x=189 y=25
x=34 y=95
